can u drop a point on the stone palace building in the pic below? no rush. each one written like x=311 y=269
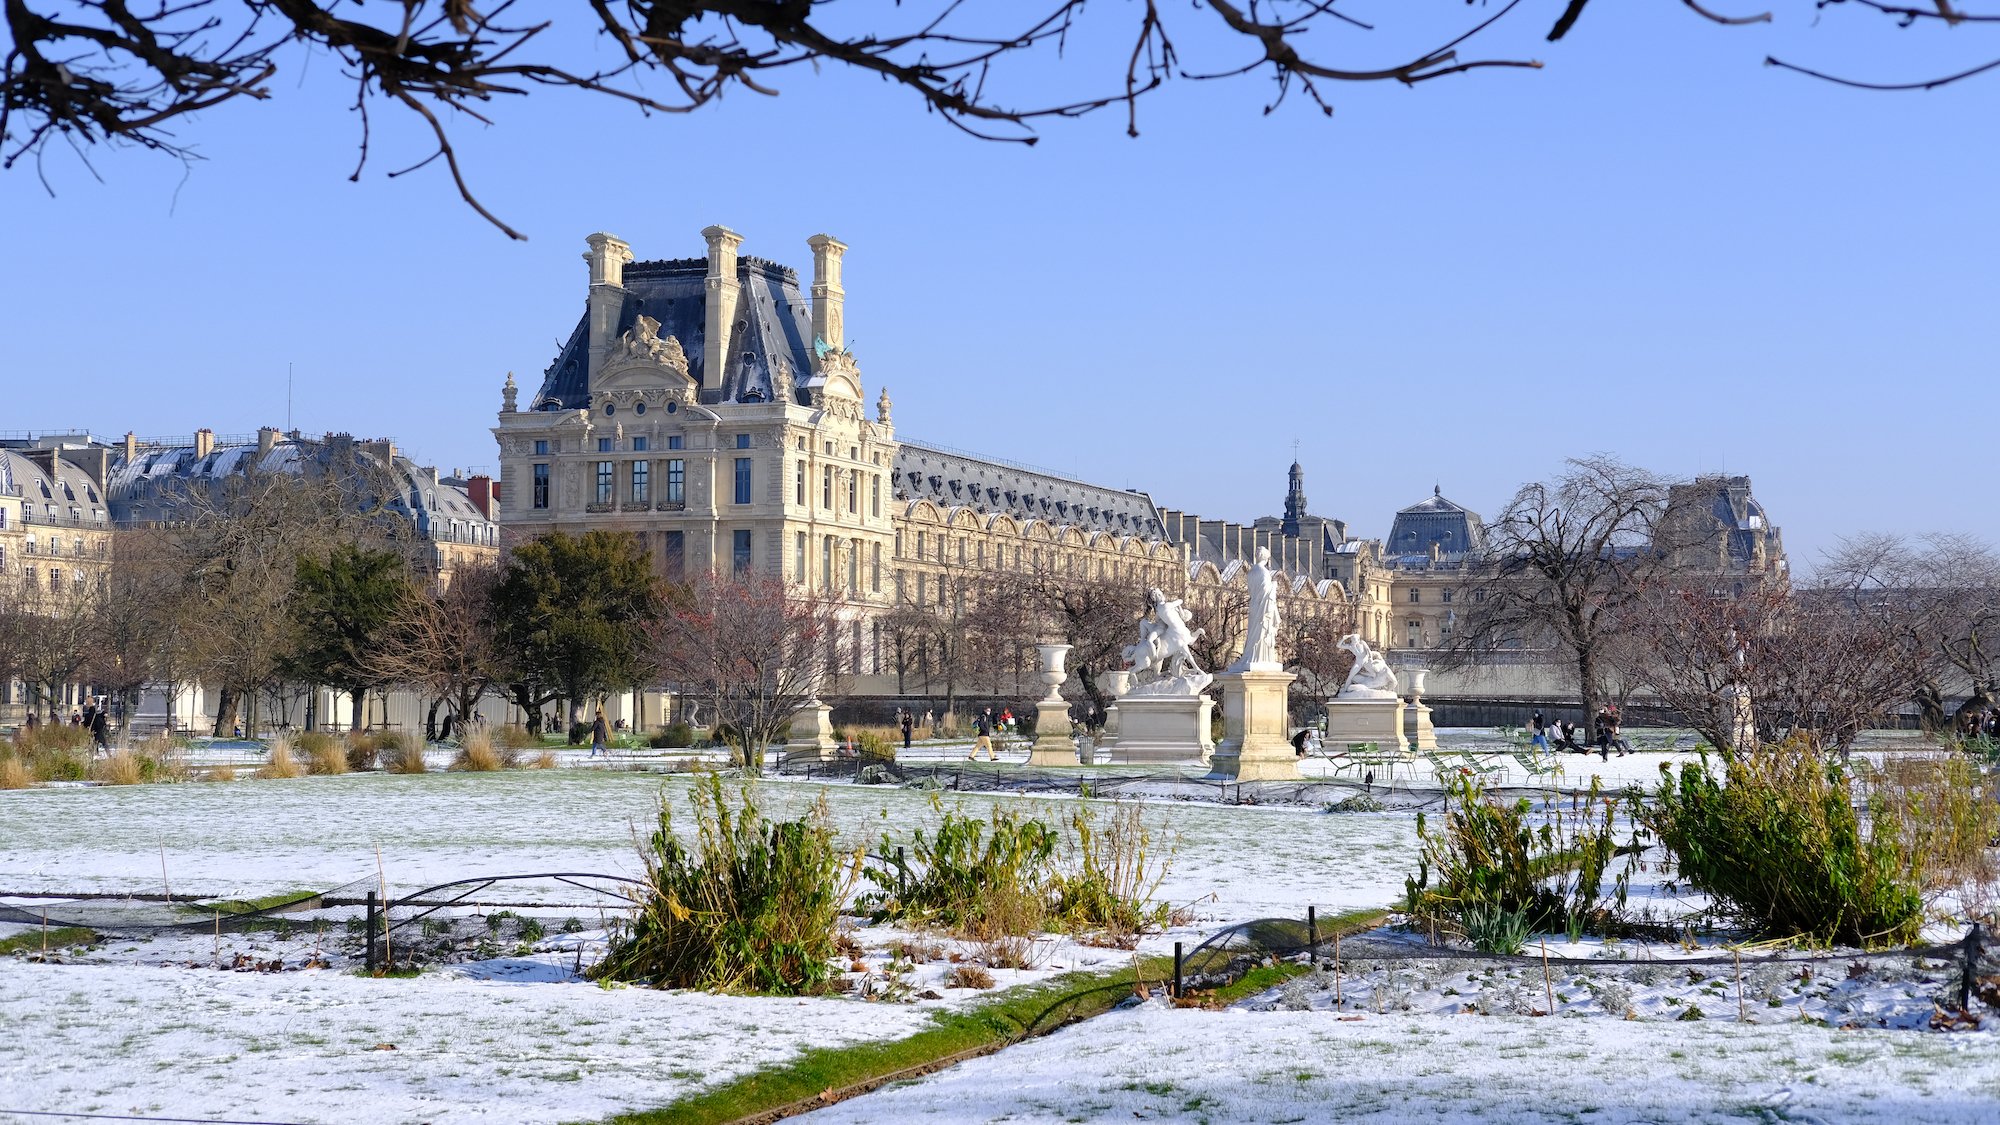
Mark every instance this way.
x=710 y=406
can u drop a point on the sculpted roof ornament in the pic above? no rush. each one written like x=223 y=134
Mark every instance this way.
x=643 y=343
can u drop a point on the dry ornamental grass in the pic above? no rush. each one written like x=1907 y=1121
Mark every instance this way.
x=403 y=752
x=480 y=754
x=282 y=763
x=118 y=768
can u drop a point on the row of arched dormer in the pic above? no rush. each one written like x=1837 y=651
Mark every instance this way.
x=935 y=537
x=1235 y=575
x=933 y=541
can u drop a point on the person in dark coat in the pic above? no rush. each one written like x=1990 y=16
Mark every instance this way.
x=598 y=734
x=909 y=723
x=100 y=729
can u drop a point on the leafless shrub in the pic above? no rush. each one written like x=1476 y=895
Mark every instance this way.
x=968 y=976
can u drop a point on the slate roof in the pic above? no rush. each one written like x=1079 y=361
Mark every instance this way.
x=70 y=487
x=770 y=352
x=1454 y=528
x=143 y=489
x=951 y=478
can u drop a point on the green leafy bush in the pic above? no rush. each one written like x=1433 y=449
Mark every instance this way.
x=1013 y=874
x=752 y=908
x=1490 y=864
x=971 y=876
x=1112 y=872
x=1493 y=930
x=873 y=747
x=1781 y=847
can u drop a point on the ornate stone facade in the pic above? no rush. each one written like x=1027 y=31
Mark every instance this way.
x=710 y=407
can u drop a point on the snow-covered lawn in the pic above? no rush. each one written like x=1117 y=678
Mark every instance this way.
x=151 y=1027
x=1155 y=1064
x=330 y=1047
x=245 y=838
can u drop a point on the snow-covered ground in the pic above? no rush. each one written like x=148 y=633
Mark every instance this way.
x=248 y=838
x=1153 y=1064
x=152 y=1027
x=330 y=1047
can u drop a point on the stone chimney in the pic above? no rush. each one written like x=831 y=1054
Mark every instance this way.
x=204 y=442
x=131 y=447
x=607 y=257
x=267 y=440
x=829 y=299
x=723 y=290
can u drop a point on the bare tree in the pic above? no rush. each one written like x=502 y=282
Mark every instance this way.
x=137 y=636
x=1309 y=645
x=443 y=643
x=92 y=72
x=760 y=650
x=1939 y=594
x=1096 y=617
x=236 y=543
x=1743 y=668
x=1222 y=614
x=52 y=636
x=1565 y=563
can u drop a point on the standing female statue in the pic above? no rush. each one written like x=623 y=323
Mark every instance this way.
x=1260 y=643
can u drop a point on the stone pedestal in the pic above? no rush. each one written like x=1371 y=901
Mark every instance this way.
x=812 y=734
x=1418 y=733
x=1256 y=726
x=1380 y=721
x=1162 y=728
x=1417 y=729
x=1112 y=685
x=1053 y=745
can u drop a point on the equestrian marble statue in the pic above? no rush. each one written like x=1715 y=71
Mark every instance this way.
x=1164 y=650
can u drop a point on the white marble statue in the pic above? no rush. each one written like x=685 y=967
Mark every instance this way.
x=1371 y=677
x=1260 y=643
x=1164 y=646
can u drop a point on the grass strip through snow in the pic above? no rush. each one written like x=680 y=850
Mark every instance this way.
x=824 y=1075
x=34 y=941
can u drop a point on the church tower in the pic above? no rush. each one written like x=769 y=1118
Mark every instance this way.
x=1295 y=502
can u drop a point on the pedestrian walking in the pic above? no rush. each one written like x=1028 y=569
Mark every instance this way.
x=1538 y=732
x=598 y=735
x=982 y=726
x=908 y=721
x=100 y=729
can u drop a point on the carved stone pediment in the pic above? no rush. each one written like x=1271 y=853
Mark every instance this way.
x=643 y=366
x=841 y=377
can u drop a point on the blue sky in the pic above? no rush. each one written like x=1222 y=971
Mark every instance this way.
x=1655 y=247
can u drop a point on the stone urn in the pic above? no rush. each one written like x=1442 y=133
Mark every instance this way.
x=1053 y=745
x=1413 y=681
x=1053 y=674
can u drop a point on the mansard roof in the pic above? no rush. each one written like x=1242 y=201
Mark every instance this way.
x=153 y=485
x=950 y=478
x=1436 y=521
x=770 y=350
